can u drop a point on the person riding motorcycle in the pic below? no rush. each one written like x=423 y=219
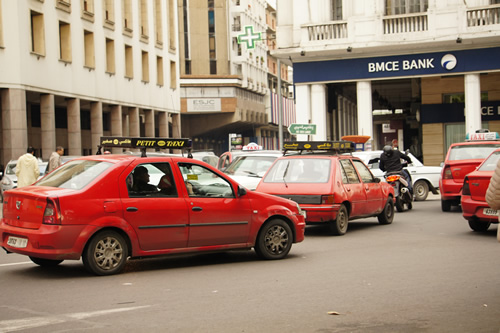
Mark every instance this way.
x=390 y=161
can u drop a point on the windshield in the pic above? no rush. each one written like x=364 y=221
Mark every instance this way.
x=75 y=174
x=490 y=163
x=299 y=170
x=255 y=166
x=472 y=152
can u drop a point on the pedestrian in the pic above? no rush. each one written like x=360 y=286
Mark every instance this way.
x=27 y=170
x=493 y=194
x=55 y=159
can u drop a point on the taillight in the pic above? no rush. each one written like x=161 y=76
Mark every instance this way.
x=327 y=199
x=392 y=178
x=51 y=213
x=466 y=189
x=447 y=173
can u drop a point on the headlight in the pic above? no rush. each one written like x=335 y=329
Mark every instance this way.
x=6 y=181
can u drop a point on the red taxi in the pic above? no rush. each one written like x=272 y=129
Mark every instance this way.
x=461 y=159
x=474 y=206
x=108 y=208
x=332 y=188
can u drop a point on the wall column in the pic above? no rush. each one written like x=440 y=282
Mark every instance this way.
x=116 y=125
x=303 y=103
x=472 y=103
x=134 y=122
x=318 y=110
x=74 y=128
x=365 y=112
x=48 y=125
x=149 y=123
x=14 y=123
x=163 y=124
x=96 y=130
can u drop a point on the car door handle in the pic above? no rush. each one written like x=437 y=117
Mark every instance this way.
x=132 y=209
x=196 y=209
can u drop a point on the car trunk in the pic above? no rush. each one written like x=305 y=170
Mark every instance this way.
x=459 y=169
x=302 y=193
x=478 y=184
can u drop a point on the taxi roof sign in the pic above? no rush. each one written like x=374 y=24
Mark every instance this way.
x=334 y=146
x=142 y=143
x=482 y=136
x=252 y=146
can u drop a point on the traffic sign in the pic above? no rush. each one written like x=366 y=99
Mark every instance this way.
x=302 y=129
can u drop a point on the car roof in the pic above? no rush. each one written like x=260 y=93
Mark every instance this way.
x=465 y=143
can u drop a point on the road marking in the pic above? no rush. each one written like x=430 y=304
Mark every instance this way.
x=27 y=323
x=16 y=263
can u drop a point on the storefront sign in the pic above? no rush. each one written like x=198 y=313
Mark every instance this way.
x=203 y=105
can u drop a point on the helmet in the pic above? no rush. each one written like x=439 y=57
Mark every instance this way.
x=387 y=150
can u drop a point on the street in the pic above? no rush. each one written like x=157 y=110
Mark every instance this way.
x=426 y=272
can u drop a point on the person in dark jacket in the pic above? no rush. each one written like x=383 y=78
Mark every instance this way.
x=390 y=161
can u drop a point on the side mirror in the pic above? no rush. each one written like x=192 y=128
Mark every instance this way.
x=241 y=191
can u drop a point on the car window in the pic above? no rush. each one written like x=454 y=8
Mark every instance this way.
x=75 y=174
x=202 y=182
x=350 y=171
x=299 y=170
x=470 y=152
x=151 y=180
x=11 y=169
x=490 y=163
x=366 y=175
x=250 y=165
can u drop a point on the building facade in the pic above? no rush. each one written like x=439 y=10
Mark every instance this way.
x=423 y=72
x=75 y=70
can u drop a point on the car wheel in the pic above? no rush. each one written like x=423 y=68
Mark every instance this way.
x=46 y=262
x=338 y=226
x=445 y=205
x=274 y=240
x=421 y=190
x=106 y=253
x=387 y=214
x=479 y=226
x=399 y=205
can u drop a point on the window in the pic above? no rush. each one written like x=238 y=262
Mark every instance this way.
x=87 y=9
x=494 y=2
x=129 y=64
x=399 y=7
x=158 y=23
x=37 y=34
x=127 y=15
x=144 y=18
x=303 y=170
x=64 y=41
x=336 y=10
x=364 y=172
x=460 y=98
x=88 y=38
x=61 y=116
x=109 y=11
x=159 y=71
x=173 y=75
x=110 y=56
x=213 y=67
x=456 y=133
x=350 y=172
x=187 y=69
x=145 y=66
x=152 y=180
x=201 y=182
x=64 y=5
x=171 y=25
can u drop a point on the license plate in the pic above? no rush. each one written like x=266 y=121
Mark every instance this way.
x=490 y=212
x=17 y=242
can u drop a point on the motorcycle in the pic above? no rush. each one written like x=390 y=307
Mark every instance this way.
x=401 y=191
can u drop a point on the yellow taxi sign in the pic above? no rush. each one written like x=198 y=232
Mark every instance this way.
x=335 y=146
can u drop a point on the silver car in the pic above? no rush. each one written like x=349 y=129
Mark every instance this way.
x=248 y=168
x=424 y=178
x=9 y=179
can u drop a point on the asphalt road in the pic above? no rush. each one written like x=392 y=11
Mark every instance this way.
x=426 y=272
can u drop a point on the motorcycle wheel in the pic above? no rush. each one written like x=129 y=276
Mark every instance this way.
x=399 y=204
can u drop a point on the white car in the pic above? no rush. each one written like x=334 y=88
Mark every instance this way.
x=9 y=178
x=424 y=178
x=248 y=168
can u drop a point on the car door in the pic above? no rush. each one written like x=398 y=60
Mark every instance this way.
x=354 y=188
x=160 y=220
x=216 y=215
x=374 y=195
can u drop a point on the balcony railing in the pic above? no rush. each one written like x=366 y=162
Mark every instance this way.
x=396 y=24
x=483 y=16
x=326 y=31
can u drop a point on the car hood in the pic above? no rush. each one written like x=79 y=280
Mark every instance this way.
x=247 y=181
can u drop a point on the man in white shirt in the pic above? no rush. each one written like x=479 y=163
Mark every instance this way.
x=27 y=170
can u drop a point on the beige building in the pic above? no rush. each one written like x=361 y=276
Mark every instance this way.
x=74 y=70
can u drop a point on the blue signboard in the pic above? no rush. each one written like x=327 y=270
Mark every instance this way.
x=455 y=112
x=437 y=63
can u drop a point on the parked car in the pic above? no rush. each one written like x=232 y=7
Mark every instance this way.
x=249 y=168
x=102 y=209
x=227 y=158
x=424 y=178
x=333 y=189
x=474 y=207
x=9 y=179
x=461 y=159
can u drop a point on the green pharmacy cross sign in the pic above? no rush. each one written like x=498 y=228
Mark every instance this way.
x=249 y=37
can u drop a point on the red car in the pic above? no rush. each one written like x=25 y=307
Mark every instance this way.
x=330 y=187
x=474 y=206
x=461 y=159
x=108 y=208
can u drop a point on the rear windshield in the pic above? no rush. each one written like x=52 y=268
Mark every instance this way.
x=299 y=170
x=472 y=152
x=75 y=174
x=490 y=163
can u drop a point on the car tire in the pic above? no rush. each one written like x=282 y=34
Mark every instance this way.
x=274 y=240
x=421 y=190
x=387 y=215
x=338 y=227
x=445 y=205
x=106 y=253
x=45 y=262
x=400 y=206
x=479 y=226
